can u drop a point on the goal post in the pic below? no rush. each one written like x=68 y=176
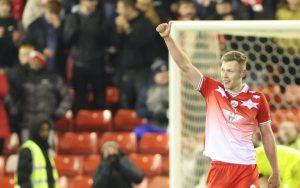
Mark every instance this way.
x=273 y=50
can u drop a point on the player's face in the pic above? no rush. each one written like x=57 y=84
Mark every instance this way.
x=231 y=75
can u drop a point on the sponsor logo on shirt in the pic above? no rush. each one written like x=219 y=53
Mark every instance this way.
x=231 y=116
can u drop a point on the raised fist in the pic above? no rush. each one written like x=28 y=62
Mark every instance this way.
x=164 y=29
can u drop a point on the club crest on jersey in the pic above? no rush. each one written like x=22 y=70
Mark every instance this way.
x=234 y=103
x=232 y=116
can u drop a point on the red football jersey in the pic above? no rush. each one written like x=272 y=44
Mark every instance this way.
x=231 y=120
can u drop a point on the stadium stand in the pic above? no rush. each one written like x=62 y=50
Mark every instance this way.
x=152 y=143
x=126 y=140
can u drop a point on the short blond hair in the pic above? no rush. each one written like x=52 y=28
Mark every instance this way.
x=237 y=56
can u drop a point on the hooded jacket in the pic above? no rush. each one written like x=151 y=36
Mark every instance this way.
x=24 y=167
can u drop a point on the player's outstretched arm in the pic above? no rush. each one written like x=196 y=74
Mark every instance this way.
x=178 y=55
x=270 y=150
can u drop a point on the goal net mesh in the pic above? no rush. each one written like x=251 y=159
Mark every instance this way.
x=273 y=68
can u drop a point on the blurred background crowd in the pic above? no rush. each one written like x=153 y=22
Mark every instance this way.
x=61 y=58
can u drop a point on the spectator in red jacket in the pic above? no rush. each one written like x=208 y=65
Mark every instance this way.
x=4 y=126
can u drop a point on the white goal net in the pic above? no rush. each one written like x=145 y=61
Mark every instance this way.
x=273 y=50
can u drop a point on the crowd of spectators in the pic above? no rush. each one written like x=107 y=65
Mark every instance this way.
x=108 y=42
x=48 y=47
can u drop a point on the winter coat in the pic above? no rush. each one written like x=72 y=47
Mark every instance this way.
x=118 y=173
x=42 y=93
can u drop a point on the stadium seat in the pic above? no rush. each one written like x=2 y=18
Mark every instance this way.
x=90 y=164
x=63 y=182
x=81 y=182
x=2 y=165
x=280 y=115
x=11 y=144
x=112 y=95
x=7 y=181
x=93 y=120
x=159 y=181
x=165 y=165
x=152 y=143
x=126 y=120
x=292 y=95
x=151 y=165
x=272 y=93
x=69 y=166
x=64 y=124
x=11 y=164
x=71 y=143
x=126 y=140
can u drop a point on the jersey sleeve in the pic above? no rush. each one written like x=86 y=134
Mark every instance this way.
x=206 y=85
x=263 y=114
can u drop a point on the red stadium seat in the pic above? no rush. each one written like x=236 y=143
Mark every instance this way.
x=7 y=181
x=11 y=164
x=151 y=165
x=166 y=165
x=272 y=93
x=283 y=114
x=126 y=140
x=11 y=144
x=71 y=143
x=152 y=143
x=112 y=95
x=93 y=120
x=292 y=95
x=126 y=120
x=69 y=166
x=159 y=181
x=2 y=165
x=90 y=164
x=64 y=124
x=63 y=182
x=81 y=182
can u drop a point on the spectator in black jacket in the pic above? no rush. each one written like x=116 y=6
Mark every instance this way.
x=45 y=34
x=87 y=33
x=225 y=10
x=9 y=35
x=115 y=170
x=41 y=93
x=135 y=41
x=15 y=76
